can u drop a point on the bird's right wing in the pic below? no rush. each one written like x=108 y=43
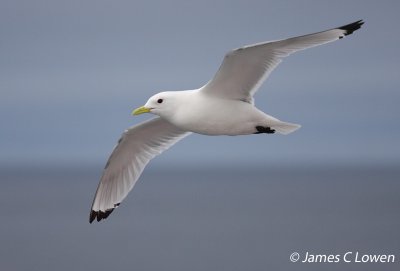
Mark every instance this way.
x=137 y=146
x=243 y=70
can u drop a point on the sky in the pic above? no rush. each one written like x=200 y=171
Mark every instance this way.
x=72 y=71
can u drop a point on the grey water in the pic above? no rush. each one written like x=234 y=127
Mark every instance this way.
x=201 y=219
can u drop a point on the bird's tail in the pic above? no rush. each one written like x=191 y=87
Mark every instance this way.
x=285 y=127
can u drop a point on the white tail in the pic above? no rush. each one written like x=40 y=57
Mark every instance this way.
x=285 y=127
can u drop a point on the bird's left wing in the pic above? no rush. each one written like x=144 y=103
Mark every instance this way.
x=243 y=70
x=137 y=146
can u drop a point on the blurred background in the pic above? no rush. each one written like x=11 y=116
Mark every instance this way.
x=72 y=71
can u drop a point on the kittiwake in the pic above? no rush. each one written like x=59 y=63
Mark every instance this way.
x=223 y=106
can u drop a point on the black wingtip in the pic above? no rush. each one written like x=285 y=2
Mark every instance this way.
x=92 y=217
x=350 y=28
x=99 y=215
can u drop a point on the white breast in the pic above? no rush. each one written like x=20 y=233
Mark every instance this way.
x=209 y=115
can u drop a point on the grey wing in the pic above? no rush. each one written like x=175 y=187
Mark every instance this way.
x=137 y=146
x=243 y=70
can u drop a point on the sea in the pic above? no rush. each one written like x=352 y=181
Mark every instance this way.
x=231 y=218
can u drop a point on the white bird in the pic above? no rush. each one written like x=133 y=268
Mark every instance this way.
x=224 y=106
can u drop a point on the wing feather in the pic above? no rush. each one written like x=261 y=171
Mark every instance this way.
x=137 y=146
x=243 y=70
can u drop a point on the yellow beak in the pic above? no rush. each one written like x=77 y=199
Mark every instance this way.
x=140 y=110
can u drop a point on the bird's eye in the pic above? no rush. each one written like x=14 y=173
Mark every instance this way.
x=159 y=101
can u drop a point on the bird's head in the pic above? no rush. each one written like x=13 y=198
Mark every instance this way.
x=162 y=104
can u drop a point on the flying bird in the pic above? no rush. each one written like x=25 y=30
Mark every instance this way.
x=223 y=106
